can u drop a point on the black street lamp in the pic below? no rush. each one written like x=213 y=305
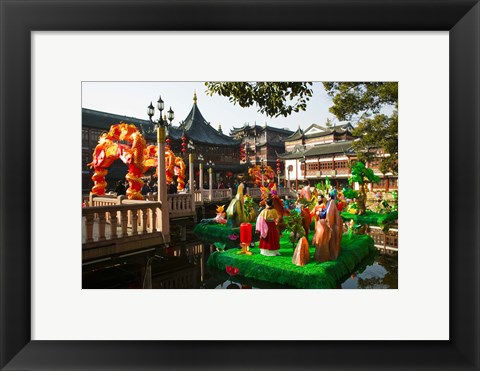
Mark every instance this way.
x=161 y=126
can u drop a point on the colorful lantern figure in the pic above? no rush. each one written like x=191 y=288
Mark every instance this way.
x=245 y=238
x=173 y=165
x=109 y=149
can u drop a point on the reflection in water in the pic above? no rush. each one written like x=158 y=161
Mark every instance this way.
x=381 y=274
x=184 y=266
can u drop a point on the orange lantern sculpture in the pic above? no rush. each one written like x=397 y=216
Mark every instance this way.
x=136 y=155
x=107 y=151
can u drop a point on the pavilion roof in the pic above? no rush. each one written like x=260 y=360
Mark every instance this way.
x=199 y=130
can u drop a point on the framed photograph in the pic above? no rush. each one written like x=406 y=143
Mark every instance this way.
x=51 y=323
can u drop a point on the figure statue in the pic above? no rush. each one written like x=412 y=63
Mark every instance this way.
x=328 y=231
x=266 y=226
x=235 y=211
x=277 y=205
x=301 y=255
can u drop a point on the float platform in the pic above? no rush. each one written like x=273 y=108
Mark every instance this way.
x=356 y=249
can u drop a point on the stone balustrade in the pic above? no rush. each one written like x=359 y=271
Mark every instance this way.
x=217 y=195
x=109 y=222
x=181 y=204
x=120 y=229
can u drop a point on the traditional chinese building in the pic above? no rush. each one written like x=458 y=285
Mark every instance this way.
x=319 y=152
x=199 y=137
x=260 y=143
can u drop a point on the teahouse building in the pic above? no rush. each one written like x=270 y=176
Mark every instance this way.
x=319 y=152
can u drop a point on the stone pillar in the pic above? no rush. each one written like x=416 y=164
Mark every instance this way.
x=210 y=184
x=200 y=180
x=163 y=216
x=191 y=178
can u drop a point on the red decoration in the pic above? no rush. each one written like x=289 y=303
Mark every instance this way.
x=231 y=270
x=246 y=233
x=243 y=156
x=184 y=145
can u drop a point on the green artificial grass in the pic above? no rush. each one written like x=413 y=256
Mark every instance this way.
x=371 y=218
x=212 y=233
x=281 y=270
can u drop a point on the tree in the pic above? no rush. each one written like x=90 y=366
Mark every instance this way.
x=273 y=98
x=367 y=105
x=362 y=175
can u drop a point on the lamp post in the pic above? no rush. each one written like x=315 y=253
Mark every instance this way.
x=161 y=124
x=210 y=166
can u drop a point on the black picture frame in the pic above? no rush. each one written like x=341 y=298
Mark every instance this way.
x=19 y=18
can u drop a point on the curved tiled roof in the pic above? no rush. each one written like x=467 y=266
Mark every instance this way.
x=103 y=120
x=259 y=128
x=295 y=136
x=321 y=149
x=199 y=130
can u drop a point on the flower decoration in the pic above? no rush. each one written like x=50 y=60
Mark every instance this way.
x=231 y=270
x=233 y=237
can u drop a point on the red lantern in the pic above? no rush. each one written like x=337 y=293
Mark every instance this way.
x=184 y=145
x=246 y=233
x=242 y=154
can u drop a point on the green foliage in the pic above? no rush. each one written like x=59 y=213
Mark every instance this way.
x=363 y=103
x=361 y=174
x=249 y=208
x=273 y=98
x=360 y=98
x=293 y=224
x=350 y=193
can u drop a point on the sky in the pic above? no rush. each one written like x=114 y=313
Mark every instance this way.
x=132 y=98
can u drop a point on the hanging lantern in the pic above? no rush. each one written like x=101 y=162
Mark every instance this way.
x=278 y=166
x=184 y=144
x=167 y=146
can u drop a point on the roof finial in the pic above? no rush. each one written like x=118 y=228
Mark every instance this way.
x=194 y=97
x=220 y=128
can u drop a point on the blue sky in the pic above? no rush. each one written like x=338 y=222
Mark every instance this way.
x=132 y=98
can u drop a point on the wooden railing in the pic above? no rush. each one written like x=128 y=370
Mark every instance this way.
x=388 y=242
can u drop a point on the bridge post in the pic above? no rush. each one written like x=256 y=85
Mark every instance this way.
x=191 y=178
x=163 y=216
x=200 y=180
x=210 y=184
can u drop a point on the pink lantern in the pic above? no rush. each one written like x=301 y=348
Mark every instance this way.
x=245 y=233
